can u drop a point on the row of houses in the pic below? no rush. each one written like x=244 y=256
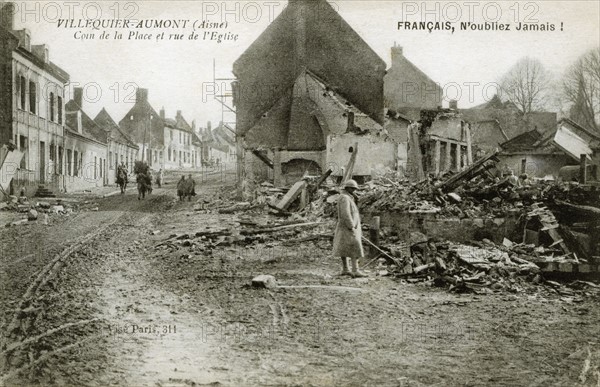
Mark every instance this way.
x=63 y=148
x=323 y=90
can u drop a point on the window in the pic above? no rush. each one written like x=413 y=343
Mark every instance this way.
x=69 y=162
x=52 y=152
x=169 y=153
x=95 y=167
x=100 y=167
x=179 y=157
x=60 y=160
x=32 y=97
x=51 y=101
x=23 y=87
x=110 y=160
x=172 y=135
x=75 y=162
x=59 y=102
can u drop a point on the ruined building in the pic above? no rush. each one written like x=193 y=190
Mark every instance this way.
x=307 y=90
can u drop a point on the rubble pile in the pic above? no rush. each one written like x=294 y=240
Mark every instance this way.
x=478 y=197
x=31 y=211
x=480 y=267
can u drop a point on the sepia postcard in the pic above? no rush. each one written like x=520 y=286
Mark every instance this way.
x=299 y=193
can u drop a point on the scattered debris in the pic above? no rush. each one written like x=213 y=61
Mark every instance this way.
x=264 y=281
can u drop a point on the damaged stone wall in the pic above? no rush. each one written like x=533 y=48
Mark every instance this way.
x=375 y=154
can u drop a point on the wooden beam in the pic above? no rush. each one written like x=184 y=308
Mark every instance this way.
x=262 y=158
x=350 y=166
x=322 y=180
x=291 y=195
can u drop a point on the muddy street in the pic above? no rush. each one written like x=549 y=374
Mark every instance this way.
x=123 y=295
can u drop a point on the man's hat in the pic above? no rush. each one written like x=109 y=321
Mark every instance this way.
x=351 y=184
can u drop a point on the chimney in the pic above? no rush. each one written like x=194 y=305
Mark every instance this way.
x=350 y=121
x=24 y=36
x=453 y=104
x=162 y=113
x=42 y=52
x=194 y=125
x=300 y=14
x=78 y=96
x=7 y=16
x=209 y=127
x=397 y=53
x=178 y=113
x=141 y=95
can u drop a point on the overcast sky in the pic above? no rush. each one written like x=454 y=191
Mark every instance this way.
x=174 y=71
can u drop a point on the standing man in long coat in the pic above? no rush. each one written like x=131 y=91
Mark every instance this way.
x=347 y=242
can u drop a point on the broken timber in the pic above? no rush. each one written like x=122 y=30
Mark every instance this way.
x=350 y=166
x=388 y=257
x=291 y=196
x=477 y=168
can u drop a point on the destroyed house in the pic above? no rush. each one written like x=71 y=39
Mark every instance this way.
x=323 y=130
x=439 y=143
x=544 y=154
x=289 y=82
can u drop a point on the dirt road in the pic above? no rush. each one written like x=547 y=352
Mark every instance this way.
x=97 y=299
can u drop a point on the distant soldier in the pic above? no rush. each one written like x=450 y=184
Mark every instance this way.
x=159 y=178
x=191 y=185
x=124 y=171
x=149 y=180
x=181 y=188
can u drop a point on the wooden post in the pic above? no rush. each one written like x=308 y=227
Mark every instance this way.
x=448 y=156
x=583 y=168
x=374 y=235
x=436 y=157
x=458 y=157
x=278 y=180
